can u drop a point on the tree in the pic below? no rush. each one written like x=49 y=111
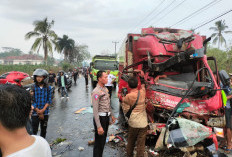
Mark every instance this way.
x=9 y=51
x=219 y=30
x=66 y=46
x=45 y=37
x=220 y=56
x=80 y=53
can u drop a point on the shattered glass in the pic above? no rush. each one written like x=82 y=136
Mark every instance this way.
x=184 y=132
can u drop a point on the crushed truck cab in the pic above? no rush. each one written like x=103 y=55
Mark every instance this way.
x=176 y=69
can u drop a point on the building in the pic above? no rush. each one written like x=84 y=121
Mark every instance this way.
x=24 y=59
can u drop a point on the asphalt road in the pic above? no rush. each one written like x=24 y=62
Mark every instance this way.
x=77 y=129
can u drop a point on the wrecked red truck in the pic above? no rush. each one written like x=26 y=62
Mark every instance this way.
x=183 y=96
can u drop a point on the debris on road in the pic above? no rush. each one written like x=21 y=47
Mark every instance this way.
x=88 y=110
x=61 y=148
x=81 y=148
x=79 y=111
x=58 y=140
x=84 y=110
x=91 y=142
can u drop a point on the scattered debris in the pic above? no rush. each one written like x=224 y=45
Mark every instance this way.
x=78 y=111
x=84 y=110
x=91 y=142
x=153 y=153
x=81 y=148
x=61 y=148
x=187 y=154
x=58 y=140
x=110 y=138
x=88 y=110
x=219 y=132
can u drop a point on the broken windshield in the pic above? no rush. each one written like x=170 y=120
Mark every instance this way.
x=184 y=132
x=177 y=79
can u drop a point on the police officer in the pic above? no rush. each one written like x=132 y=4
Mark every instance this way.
x=102 y=113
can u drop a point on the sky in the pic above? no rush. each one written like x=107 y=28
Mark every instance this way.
x=97 y=23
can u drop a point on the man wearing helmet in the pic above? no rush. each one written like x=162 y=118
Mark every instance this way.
x=42 y=98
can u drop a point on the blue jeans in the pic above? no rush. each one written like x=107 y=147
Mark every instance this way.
x=64 y=91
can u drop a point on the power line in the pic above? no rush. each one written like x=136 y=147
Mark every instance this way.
x=202 y=11
x=192 y=14
x=165 y=8
x=148 y=14
x=170 y=11
x=213 y=19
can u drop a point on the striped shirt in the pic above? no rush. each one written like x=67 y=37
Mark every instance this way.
x=41 y=97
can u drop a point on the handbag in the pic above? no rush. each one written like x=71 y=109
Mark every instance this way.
x=131 y=109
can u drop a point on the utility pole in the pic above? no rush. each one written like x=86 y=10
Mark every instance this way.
x=115 y=43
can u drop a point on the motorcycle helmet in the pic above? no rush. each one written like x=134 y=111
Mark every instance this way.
x=41 y=72
x=61 y=71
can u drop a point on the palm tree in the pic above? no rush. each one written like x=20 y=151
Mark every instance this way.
x=219 y=31
x=45 y=37
x=66 y=46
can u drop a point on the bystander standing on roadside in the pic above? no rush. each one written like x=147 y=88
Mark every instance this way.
x=227 y=144
x=75 y=75
x=86 y=75
x=138 y=119
x=62 y=84
x=111 y=80
x=102 y=112
x=52 y=78
x=42 y=99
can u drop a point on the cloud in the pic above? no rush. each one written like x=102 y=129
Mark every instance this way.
x=94 y=22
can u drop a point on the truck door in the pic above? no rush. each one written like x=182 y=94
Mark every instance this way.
x=213 y=65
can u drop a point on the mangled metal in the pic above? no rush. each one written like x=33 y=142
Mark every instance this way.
x=179 y=82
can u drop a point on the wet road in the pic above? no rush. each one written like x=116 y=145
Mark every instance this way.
x=76 y=128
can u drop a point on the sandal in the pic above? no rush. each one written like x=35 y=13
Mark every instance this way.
x=228 y=151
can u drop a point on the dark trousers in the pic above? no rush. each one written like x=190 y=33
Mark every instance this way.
x=43 y=125
x=139 y=135
x=228 y=115
x=100 y=140
x=75 y=79
x=64 y=91
x=86 y=81
x=110 y=90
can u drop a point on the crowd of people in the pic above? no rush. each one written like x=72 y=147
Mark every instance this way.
x=22 y=112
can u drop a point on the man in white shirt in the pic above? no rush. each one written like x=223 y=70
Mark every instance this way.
x=111 y=80
x=15 y=106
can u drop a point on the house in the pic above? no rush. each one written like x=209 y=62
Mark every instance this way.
x=24 y=59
